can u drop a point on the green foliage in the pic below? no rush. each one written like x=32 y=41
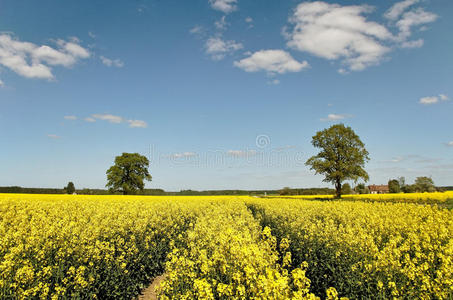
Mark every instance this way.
x=70 y=188
x=394 y=186
x=342 y=156
x=361 y=189
x=424 y=184
x=128 y=174
x=346 y=189
x=286 y=191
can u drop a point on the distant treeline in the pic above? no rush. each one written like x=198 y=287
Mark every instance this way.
x=157 y=192
x=150 y=192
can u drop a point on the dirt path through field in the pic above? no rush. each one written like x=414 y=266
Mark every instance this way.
x=149 y=293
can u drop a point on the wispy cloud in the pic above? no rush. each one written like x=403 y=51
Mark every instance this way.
x=90 y=119
x=450 y=144
x=108 y=117
x=428 y=100
x=443 y=97
x=273 y=82
x=398 y=8
x=196 y=29
x=413 y=158
x=137 y=124
x=116 y=120
x=395 y=159
x=111 y=62
x=249 y=21
x=221 y=24
x=53 y=136
x=271 y=61
x=2 y=84
x=33 y=61
x=335 y=117
x=411 y=19
x=70 y=117
x=433 y=99
x=217 y=48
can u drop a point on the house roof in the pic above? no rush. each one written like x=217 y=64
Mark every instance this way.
x=378 y=188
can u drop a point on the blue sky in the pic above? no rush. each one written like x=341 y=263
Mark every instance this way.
x=222 y=94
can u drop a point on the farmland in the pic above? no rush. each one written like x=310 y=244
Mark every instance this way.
x=219 y=247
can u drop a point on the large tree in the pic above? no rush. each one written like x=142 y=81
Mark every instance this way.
x=342 y=156
x=424 y=184
x=394 y=186
x=128 y=173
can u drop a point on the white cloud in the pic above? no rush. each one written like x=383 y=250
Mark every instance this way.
x=137 y=124
x=428 y=100
x=249 y=21
x=433 y=99
x=405 y=19
x=111 y=62
x=412 y=44
x=336 y=32
x=450 y=144
x=33 y=61
x=91 y=34
x=273 y=82
x=196 y=29
x=53 y=136
x=218 y=48
x=335 y=117
x=108 y=117
x=116 y=120
x=183 y=155
x=221 y=24
x=225 y=6
x=443 y=97
x=396 y=159
x=70 y=117
x=241 y=153
x=413 y=18
x=398 y=8
x=272 y=61
x=2 y=84
x=90 y=119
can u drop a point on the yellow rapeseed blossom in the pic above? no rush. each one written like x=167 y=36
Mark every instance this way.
x=226 y=247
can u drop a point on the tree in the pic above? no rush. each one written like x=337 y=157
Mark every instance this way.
x=424 y=184
x=402 y=181
x=343 y=156
x=361 y=189
x=346 y=189
x=394 y=186
x=70 y=188
x=128 y=173
x=285 y=191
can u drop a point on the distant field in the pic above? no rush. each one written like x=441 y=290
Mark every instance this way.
x=434 y=198
x=221 y=247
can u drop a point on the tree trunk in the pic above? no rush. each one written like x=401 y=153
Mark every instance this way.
x=338 y=189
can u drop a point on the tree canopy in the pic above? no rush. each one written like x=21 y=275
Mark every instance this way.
x=424 y=184
x=128 y=173
x=342 y=156
x=70 y=188
x=394 y=186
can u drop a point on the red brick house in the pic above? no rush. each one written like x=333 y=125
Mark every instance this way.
x=378 y=189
